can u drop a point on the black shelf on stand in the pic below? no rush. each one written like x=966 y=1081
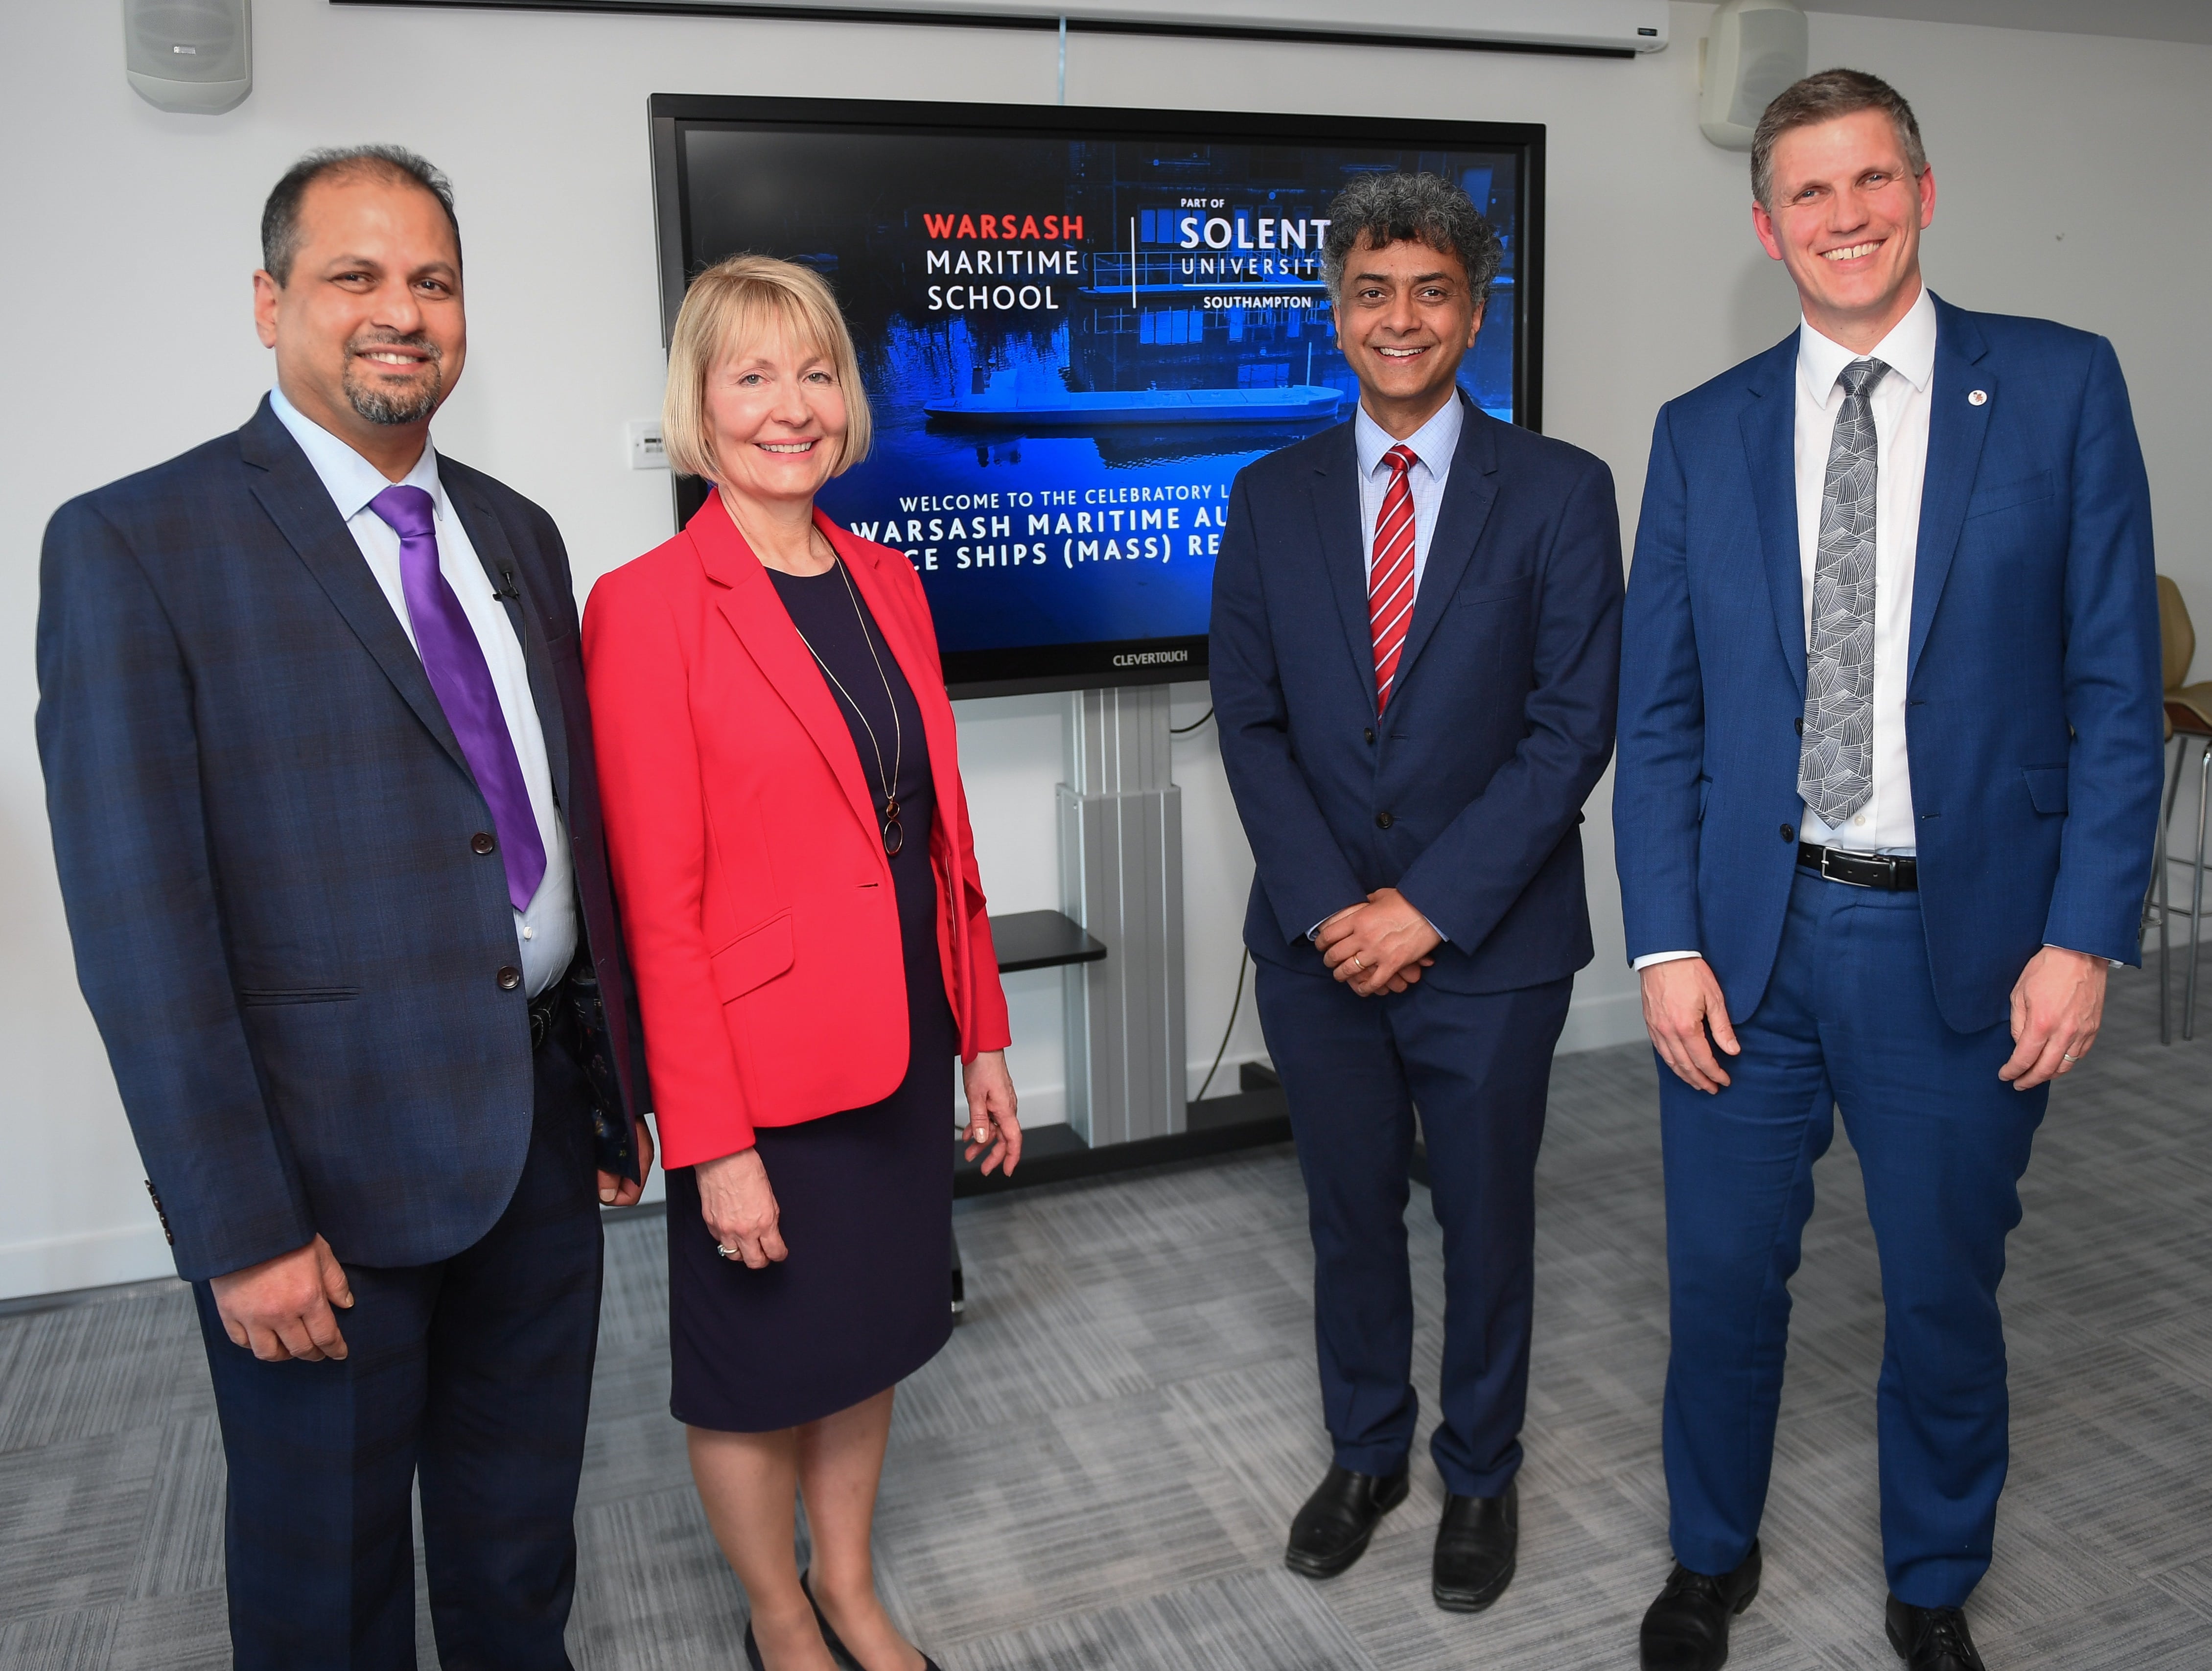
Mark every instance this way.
x=1041 y=939
x=1249 y=1117
x=1246 y=1119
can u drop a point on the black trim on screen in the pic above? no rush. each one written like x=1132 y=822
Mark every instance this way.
x=891 y=116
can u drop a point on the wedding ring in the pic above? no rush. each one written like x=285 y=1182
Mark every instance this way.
x=726 y=1253
x=2070 y=1059
x=1356 y=966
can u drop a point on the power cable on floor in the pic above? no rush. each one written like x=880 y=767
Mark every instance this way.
x=1177 y=731
x=1235 y=1003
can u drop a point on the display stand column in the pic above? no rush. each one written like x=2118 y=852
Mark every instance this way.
x=1121 y=878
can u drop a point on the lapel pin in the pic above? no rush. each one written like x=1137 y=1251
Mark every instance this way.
x=1978 y=397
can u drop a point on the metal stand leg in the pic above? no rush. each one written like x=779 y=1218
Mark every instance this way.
x=2154 y=898
x=1120 y=877
x=2196 y=894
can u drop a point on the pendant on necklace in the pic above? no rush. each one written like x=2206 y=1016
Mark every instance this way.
x=894 y=837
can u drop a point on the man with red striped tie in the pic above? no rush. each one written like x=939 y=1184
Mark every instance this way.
x=1415 y=639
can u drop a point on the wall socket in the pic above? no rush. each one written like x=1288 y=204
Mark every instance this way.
x=642 y=441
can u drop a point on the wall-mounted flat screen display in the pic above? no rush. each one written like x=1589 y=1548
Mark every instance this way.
x=1074 y=327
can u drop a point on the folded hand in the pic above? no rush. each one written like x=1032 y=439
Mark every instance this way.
x=1381 y=946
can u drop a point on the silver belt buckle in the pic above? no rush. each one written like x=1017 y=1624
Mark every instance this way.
x=1826 y=875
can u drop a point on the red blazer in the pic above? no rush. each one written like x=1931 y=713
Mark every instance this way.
x=756 y=895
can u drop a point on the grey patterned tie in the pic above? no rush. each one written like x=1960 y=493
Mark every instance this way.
x=1835 y=765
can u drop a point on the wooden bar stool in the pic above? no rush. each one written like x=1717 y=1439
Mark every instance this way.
x=2188 y=723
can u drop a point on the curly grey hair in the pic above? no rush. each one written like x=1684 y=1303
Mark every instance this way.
x=1381 y=209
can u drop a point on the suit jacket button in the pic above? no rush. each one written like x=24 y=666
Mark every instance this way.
x=509 y=977
x=482 y=841
x=1371 y=733
x=1799 y=722
x=168 y=1235
x=1788 y=834
x=1383 y=821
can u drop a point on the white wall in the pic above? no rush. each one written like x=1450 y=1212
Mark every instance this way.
x=2073 y=180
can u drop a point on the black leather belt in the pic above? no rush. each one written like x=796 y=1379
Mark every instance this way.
x=1890 y=872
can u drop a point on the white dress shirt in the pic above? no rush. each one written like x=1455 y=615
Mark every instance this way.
x=546 y=932
x=1433 y=445
x=1900 y=404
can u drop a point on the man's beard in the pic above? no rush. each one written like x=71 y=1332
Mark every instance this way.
x=393 y=406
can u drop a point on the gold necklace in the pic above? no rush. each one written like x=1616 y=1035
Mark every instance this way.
x=893 y=832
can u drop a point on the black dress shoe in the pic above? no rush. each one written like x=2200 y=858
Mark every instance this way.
x=1931 y=1638
x=1331 y=1531
x=845 y=1656
x=752 y=1648
x=1476 y=1546
x=1686 y=1629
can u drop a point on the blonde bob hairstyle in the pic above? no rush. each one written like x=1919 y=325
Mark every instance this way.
x=730 y=307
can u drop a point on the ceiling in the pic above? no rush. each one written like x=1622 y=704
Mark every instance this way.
x=2139 y=19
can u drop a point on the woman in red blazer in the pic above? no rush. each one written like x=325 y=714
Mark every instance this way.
x=791 y=848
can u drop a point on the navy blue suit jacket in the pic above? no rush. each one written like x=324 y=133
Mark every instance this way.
x=1466 y=794
x=2032 y=706
x=262 y=822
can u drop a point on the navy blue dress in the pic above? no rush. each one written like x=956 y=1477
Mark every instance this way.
x=865 y=1196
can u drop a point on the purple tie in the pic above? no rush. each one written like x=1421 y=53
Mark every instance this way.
x=455 y=662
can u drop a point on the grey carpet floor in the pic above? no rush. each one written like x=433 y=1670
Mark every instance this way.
x=1099 y=1470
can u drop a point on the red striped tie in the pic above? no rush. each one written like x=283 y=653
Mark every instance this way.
x=1390 y=579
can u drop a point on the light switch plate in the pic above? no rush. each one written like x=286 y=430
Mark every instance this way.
x=646 y=452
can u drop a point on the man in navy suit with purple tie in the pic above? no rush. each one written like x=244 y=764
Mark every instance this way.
x=1416 y=621
x=320 y=777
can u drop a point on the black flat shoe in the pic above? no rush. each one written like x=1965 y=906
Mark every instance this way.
x=838 y=1652
x=1686 y=1629
x=752 y=1648
x=1331 y=1531
x=1477 y=1544
x=1931 y=1638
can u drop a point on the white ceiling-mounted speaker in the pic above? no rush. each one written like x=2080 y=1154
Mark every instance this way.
x=1754 y=50
x=188 y=55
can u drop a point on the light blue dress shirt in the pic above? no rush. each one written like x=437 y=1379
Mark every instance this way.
x=1433 y=445
x=547 y=932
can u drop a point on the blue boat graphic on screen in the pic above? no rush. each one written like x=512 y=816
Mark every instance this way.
x=1027 y=396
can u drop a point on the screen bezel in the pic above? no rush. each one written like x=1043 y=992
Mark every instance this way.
x=1088 y=664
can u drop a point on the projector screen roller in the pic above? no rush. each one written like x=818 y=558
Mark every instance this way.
x=1074 y=327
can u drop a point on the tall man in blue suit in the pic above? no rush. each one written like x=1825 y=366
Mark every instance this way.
x=1889 y=772
x=320 y=778
x=1416 y=618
